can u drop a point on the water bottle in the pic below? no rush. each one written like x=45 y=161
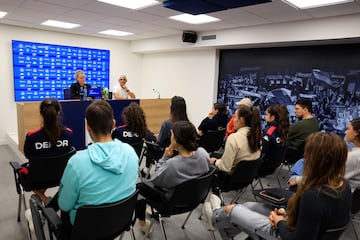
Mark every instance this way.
x=85 y=94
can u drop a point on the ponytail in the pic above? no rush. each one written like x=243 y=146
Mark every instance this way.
x=50 y=111
x=251 y=116
x=254 y=135
x=284 y=124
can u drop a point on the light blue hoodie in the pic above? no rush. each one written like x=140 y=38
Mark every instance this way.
x=102 y=173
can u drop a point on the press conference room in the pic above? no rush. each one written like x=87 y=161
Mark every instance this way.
x=162 y=55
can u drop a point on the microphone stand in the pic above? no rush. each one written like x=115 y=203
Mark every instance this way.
x=156 y=92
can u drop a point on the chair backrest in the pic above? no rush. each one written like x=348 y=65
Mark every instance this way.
x=212 y=140
x=355 y=207
x=45 y=172
x=292 y=155
x=153 y=152
x=271 y=162
x=138 y=147
x=188 y=195
x=333 y=234
x=105 y=221
x=244 y=174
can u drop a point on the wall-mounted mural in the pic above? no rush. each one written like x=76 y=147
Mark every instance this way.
x=328 y=75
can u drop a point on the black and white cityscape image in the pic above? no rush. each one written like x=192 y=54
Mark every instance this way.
x=327 y=75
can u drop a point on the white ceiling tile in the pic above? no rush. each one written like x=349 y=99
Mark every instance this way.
x=334 y=10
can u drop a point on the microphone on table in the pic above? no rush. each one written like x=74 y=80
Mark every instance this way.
x=156 y=92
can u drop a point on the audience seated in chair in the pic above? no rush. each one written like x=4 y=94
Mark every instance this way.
x=274 y=141
x=230 y=125
x=50 y=140
x=320 y=208
x=352 y=171
x=216 y=120
x=212 y=140
x=177 y=113
x=105 y=172
x=191 y=162
x=300 y=130
x=244 y=144
x=134 y=130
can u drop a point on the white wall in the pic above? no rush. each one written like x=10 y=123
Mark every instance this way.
x=191 y=75
x=169 y=65
x=268 y=35
x=121 y=61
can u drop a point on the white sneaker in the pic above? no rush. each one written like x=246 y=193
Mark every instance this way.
x=215 y=201
x=28 y=217
x=207 y=212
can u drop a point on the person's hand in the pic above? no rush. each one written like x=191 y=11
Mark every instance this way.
x=213 y=160
x=292 y=182
x=229 y=208
x=276 y=216
x=169 y=151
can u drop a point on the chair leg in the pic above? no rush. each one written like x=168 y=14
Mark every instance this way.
x=162 y=227
x=238 y=195
x=275 y=175
x=213 y=235
x=187 y=218
x=19 y=207
x=353 y=227
x=132 y=234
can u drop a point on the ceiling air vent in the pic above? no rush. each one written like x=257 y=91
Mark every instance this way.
x=208 y=37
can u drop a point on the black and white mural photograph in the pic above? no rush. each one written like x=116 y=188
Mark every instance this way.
x=328 y=75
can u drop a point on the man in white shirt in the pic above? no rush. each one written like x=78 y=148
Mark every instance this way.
x=121 y=91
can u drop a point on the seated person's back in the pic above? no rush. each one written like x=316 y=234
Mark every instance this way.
x=191 y=162
x=105 y=172
x=216 y=120
x=134 y=128
x=274 y=138
x=50 y=140
x=177 y=113
x=245 y=143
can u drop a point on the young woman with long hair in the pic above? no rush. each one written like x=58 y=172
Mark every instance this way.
x=322 y=201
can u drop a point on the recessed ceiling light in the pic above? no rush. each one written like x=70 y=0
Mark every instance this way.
x=2 y=14
x=304 y=4
x=54 y=23
x=194 y=19
x=132 y=4
x=116 y=33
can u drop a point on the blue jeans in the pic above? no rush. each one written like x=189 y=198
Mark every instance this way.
x=251 y=218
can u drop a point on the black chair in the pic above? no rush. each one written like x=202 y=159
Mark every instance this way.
x=100 y=222
x=138 y=147
x=270 y=164
x=152 y=153
x=184 y=198
x=329 y=234
x=244 y=174
x=44 y=172
x=212 y=140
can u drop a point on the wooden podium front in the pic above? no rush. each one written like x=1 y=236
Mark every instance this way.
x=28 y=116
